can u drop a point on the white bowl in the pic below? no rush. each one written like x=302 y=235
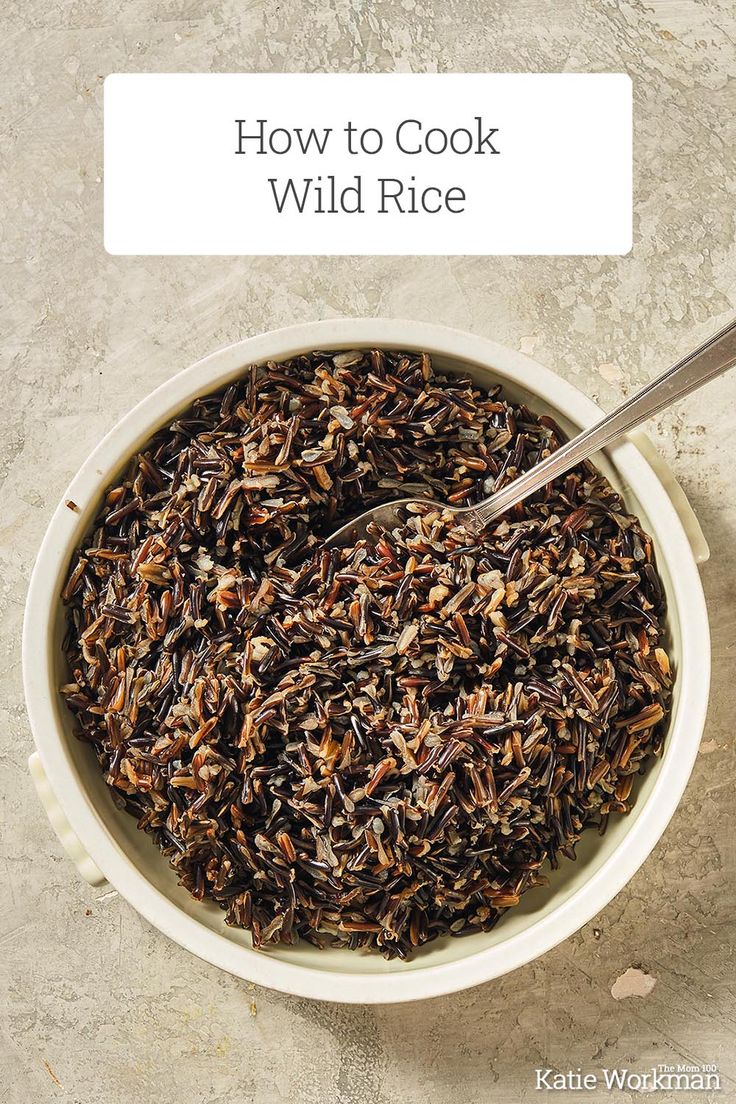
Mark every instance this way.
x=105 y=843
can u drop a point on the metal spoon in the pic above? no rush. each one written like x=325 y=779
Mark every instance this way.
x=714 y=356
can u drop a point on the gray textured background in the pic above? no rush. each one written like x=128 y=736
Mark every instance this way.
x=95 y=1006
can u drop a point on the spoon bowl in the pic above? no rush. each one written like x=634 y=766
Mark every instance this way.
x=386 y=516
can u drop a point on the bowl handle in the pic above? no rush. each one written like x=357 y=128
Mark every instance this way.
x=67 y=837
x=690 y=523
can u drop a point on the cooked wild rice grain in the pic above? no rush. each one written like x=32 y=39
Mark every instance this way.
x=378 y=745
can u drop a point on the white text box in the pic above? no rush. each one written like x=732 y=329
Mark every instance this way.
x=368 y=164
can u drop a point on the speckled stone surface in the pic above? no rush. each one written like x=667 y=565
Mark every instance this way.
x=95 y=1006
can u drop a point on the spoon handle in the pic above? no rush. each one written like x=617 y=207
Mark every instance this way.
x=714 y=356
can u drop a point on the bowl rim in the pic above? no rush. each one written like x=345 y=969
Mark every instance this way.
x=420 y=982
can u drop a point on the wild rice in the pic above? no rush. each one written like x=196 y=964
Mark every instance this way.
x=372 y=746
